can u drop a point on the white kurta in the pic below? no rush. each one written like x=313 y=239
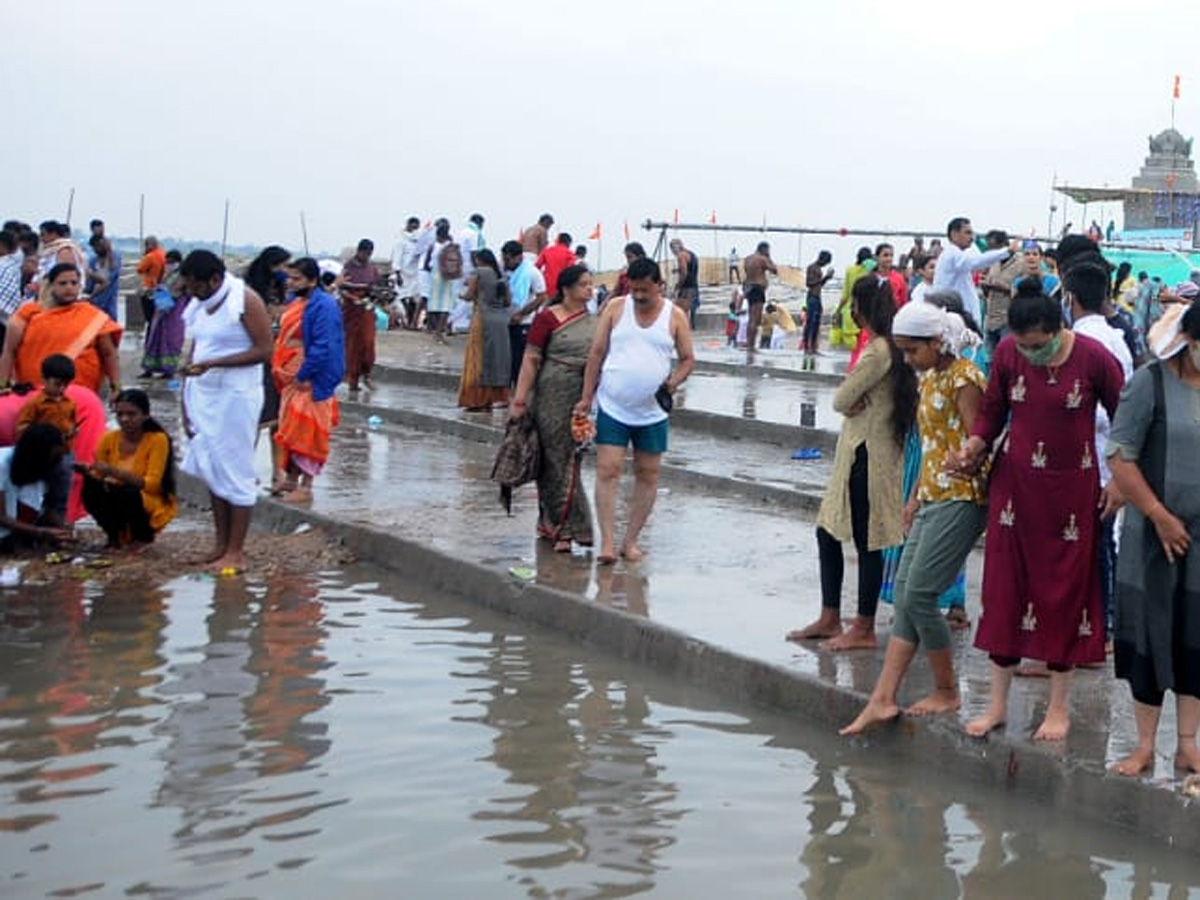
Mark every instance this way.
x=223 y=404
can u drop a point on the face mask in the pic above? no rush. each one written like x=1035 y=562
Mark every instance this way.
x=1194 y=350
x=1042 y=355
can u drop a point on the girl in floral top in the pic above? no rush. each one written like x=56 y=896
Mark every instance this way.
x=944 y=516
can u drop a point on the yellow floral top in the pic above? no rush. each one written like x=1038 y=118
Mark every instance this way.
x=943 y=431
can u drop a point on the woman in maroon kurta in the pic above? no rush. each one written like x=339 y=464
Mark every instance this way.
x=1041 y=588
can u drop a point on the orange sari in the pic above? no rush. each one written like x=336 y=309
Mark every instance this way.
x=72 y=330
x=304 y=423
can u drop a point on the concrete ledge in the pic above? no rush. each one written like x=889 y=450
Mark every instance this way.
x=722 y=426
x=939 y=746
x=670 y=475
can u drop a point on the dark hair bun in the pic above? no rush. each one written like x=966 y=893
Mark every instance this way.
x=1030 y=286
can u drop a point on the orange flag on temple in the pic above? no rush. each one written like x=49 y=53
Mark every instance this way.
x=625 y=227
x=595 y=235
x=1176 y=87
x=712 y=220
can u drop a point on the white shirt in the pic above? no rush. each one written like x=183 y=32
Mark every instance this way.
x=954 y=268
x=537 y=285
x=918 y=293
x=406 y=262
x=470 y=240
x=1097 y=328
x=28 y=495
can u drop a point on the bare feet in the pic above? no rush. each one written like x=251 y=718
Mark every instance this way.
x=297 y=495
x=986 y=724
x=1054 y=727
x=606 y=557
x=942 y=700
x=633 y=553
x=827 y=626
x=563 y=546
x=857 y=637
x=215 y=554
x=1187 y=757
x=1137 y=762
x=229 y=564
x=873 y=714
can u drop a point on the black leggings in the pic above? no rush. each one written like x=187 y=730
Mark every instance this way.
x=870 y=562
x=117 y=508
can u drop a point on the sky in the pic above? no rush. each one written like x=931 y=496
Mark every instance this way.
x=854 y=114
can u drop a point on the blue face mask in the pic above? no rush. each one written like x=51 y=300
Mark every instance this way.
x=280 y=277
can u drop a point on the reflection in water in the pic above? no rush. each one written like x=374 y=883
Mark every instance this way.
x=243 y=705
x=475 y=757
x=580 y=745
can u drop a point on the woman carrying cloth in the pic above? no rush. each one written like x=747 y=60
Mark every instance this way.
x=59 y=323
x=129 y=489
x=552 y=370
x=308 y=363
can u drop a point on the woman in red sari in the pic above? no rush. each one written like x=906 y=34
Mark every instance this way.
x=308 y=364
x=1041 y=585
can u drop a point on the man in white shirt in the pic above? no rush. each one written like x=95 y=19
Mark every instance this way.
x=406 y=266
x=959 y=259
x=1085 y=288
x=527 y=288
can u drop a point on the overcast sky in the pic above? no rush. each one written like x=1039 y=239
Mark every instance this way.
x=835 y=114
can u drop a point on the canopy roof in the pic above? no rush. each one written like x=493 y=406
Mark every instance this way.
x=1104 y=194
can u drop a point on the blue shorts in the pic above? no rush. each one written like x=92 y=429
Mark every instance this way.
x=645 y=438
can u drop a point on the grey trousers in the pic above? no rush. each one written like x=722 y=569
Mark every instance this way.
x=941 y=538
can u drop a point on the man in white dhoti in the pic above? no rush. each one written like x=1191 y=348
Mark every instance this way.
x=229 y=333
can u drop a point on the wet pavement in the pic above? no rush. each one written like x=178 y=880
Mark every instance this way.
x=729 y=572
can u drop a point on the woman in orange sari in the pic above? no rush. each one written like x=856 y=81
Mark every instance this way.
x=60 y=323
x=308 y=364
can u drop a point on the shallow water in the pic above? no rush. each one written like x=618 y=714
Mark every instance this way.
x=343 y=736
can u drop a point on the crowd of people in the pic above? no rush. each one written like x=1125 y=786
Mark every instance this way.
x=1031 y=395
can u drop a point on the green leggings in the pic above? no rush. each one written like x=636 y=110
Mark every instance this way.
x=941 y=538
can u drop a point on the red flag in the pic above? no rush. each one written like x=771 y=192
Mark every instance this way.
x=713 y=218
x=595 y=235
x=1176 y=87
x=625 y=227
x=676 y=216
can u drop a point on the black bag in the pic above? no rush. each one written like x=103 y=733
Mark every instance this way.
x=664 y=398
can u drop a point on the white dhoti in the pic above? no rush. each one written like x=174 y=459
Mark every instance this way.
x=222 y=409
x=224 y=403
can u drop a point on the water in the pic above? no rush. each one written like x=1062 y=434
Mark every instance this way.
x=341 y=736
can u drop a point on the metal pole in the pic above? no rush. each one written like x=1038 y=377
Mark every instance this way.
x=141 y=221
x=70 y=206
x=650 y=225
x=304 y=232
x=225 y=229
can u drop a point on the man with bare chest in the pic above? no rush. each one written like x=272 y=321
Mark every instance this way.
x=756 y=266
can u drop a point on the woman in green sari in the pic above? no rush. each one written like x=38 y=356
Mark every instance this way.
x=548 y=388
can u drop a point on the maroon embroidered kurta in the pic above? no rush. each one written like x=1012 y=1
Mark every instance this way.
x=1041 y=585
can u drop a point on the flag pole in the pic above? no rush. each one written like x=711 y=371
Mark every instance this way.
x=70 y=206
x=225 y=229
x=141 y=221
x=304 y=232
